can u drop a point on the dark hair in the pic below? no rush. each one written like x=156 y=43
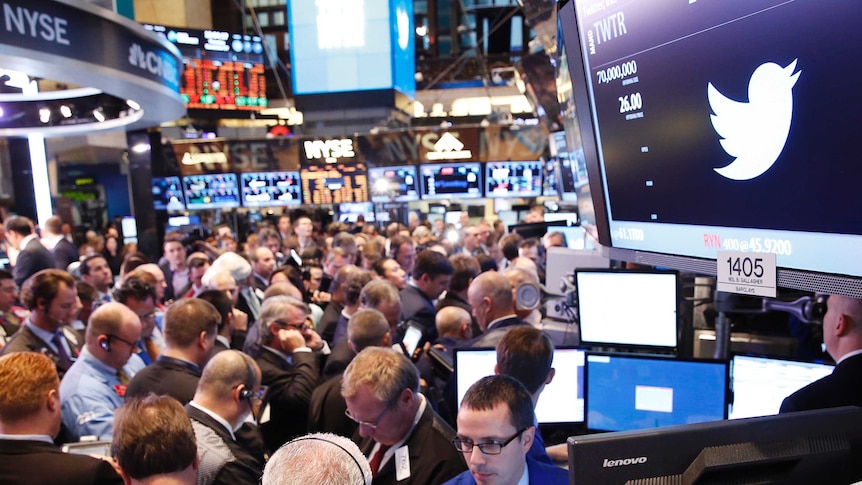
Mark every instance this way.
x=44 y=285
x=135 y=288
x=19 y=225
x=464 y=269
x=353 y=285
x=86 y=291
x=6 y=275
x=509 y=245
x=490 y=391
x=431 y=263
x=486 y=263
x=187 y=318
x=84 y=268
x=153 y=436
x=221 y=302
x=526 y=354
x=132 y=261
x=378 y=266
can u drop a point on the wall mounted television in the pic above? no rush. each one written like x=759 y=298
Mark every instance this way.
x=168 y=194
x=513 y=179
x=451 y=181
x=393 y=184
x=334 y=183
x=271 y=189
x=211 y=191
x=733 y=155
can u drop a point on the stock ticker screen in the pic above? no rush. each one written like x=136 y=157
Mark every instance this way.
x=334 y=183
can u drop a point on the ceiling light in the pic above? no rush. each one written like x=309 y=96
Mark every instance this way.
x=99 y=114
x=44 y=115
x=66 y=111
x=132 y=104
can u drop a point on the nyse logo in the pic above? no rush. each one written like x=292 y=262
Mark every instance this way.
x=329 y=150
x=755 y=132
x=150 y=61
x=448 y=147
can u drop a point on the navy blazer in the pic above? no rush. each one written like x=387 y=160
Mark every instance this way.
x=40 y=463
x=33 y=258
x=539 y=473
x=841 y=388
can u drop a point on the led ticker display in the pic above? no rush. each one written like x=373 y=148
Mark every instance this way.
x=168 y=193
x=334 y=183
x=270 y=189
x=221 y=70
x=211 y=191
x=513 y=179
x=393 y=184
x=451 y=180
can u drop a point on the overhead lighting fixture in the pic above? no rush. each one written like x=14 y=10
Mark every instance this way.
x=44 y=115
x=132 y=104
x=66 y=111
x=99 y=114
x=422 y=30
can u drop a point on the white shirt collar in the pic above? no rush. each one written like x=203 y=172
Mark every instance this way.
x=848 y=355
x=525 y=478
x=27 y=437
x=26 y=241
x=224 y=340
x=216 y=417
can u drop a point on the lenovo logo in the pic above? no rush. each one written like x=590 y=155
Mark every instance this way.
x=628 y=461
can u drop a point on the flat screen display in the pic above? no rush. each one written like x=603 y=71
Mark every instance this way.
x=211 y=191
x=513 y=179
x=270 y=189
x=334 y=183
x=625 y=392
x=350 y=211
x=451 y=180
x=168 y=194
x=710 y=135
x=627 y=308
x=393 y=184
x=760 y=384
x=562 y=401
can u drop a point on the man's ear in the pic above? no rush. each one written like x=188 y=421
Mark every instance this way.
x=527 y=438
x=551 y=375
x=386 y=341
x=202 y=339
x=53 y=400
x=843 y=325
x=496 y=369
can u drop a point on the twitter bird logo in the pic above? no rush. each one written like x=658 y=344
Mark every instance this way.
x=755 y=132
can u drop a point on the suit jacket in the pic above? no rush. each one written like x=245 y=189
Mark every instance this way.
x=166 y=376
x=25 y=340
x=841 y=388
x=416 y=306
x=326 y=326
x=326 y=412
x=33 y=258
x=338 y=360
x=65 y=253
x=172 y=293
x=538 y=472
x=289 y=392
x=451 y=299
x=39 y=463
x=494 y=333
x=223 y=460
x=433 y=459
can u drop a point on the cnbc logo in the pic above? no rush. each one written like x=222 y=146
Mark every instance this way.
x=448 y=147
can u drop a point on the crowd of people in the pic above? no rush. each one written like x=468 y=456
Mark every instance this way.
x=281 y=362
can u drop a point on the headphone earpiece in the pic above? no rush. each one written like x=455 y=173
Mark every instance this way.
x=245 y=394
x=106 y=345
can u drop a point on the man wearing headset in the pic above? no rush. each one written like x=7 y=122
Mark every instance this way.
x=228 y=392
x=318 y=458
x=95 y=385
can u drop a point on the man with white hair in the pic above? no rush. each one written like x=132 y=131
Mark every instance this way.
x=319 y=458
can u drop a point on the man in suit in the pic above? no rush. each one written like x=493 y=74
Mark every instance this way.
x=11 y=315
x=190 y=333
x=154 y=443
x=95 y=270
x=65 y=252
x=226 y=395
x=496 y=429
x=262 y=265
x=30 y=420
x=405 y=440
x=175 y=267
x=431 y=275
x=464 y=269
x=223 y=305
x=842 y=334
x=290 y=369
x=32 y=256
x=490 y=295
x=52 y=299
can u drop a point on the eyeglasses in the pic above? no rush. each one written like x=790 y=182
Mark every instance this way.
x=492 y=447
x=305 y=326
x=133 y=345
x=149 y=316
x=371 y=424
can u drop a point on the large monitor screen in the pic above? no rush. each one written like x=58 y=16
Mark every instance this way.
x=334 y=183
x=760 y=384
x=627 y=308
x=393 y=184
x=271 y=189
x=168 y=194
x=711 y=134
x=625 y=392
x=211 y=191
x=513 y=179
x=562 y=401
x=451 y=180
x=350 y=211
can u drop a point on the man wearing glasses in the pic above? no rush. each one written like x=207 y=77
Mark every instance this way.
x=140 y=297
x=405 y=441
x=495 y=431
x=228 y=392
x=95 y=385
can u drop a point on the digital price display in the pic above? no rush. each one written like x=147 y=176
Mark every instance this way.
x=168 y=194
x=393 y=184
x=211 y=191
x=451 y=180
x=271 y=189
x=221 y=70
x=710 y=135
x=513 y=179
x=334 y=183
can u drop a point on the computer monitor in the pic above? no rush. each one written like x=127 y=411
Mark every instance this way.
x=823 y=446
x=211 y=191
x=628 y=308
x=168 y=194
x=350 y=211
x=513 y=179
x=271 y=189
x=393 y=184
x=625 y=392
x=562 y=401
x=451 y=181
x=180 y=223
x=760 y=384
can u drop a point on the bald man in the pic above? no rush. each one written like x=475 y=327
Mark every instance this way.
x=490 y=295
x=842 y=334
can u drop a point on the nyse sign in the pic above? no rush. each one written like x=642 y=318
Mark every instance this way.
x=329 y=150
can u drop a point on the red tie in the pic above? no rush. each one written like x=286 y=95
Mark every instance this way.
x=377 y=458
